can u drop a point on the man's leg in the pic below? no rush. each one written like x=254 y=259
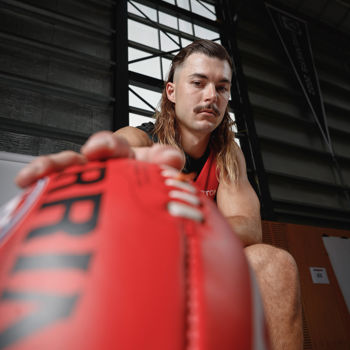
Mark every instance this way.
x=278 y=280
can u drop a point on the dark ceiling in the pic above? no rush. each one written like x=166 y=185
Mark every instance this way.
x=335 y=13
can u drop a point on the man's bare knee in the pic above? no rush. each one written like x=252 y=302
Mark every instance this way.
x=272 y=261
x=278 y=279
x=277 y=271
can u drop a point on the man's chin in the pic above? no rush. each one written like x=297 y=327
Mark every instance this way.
x=206 y=126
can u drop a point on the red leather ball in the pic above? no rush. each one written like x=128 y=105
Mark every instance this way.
x=123 y=255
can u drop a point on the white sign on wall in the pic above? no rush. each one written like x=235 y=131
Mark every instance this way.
x=319 y=275
x=338 y=249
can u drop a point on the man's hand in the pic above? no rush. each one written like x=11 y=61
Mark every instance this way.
x=100 y=146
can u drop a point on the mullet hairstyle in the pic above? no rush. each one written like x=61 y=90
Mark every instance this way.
x=222 y=138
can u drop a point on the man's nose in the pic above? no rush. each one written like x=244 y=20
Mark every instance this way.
x=210 y=93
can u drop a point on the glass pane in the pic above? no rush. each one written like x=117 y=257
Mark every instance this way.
x=184 y=4
x=234 y=128
x=141 y=33
x=211 y=8
x=166 y=67
x=136 y=119
x=142 y=11
x=170 y=1
x=168 y=20
x=151 y=97
x=167 y=44
x=134 y=54
x=150 y=67
x=204 y=33
x=185 y=26
x=232 y=115
x=185 y=42
x=202 y=10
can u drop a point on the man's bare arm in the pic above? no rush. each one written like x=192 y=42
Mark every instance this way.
x=240 y=205
x=102 y=145
x=134 y=136
x=146 y=150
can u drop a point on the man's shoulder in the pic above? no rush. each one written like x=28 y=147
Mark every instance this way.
x=148 y=128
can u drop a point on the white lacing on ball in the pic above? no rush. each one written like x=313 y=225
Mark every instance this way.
x=185 y=211
x=184 y=194
x=180 y=184
x=184 y=202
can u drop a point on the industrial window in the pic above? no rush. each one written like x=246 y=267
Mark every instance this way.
x=155 y=36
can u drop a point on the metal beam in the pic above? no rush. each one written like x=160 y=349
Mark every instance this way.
x=180 y=13
x=307 y=214
x=326 y=156
x=59 y=90
x=63 y=53
x=162 y=27
x=141 y=111
x=225 y=10
x=308 y=181
x=48 y=16
x=106 y=4
x=146 y=82
x=27 y=128
x=121 y=79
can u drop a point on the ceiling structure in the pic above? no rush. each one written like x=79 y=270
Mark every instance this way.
x=297 y=166
x=334 y=13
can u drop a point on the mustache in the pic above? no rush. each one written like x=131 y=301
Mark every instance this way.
x=211 y=106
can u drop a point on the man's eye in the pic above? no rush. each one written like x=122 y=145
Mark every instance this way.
x=196 y=83
x=222 y=89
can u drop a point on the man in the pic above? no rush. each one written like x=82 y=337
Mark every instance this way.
x=194 y=120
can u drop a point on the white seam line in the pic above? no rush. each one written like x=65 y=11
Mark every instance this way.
x=185 y=196
x=180 y=184
x=185 y=211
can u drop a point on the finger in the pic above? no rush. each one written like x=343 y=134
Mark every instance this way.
x=162 y=155
x=104 y=145
x=45 y=165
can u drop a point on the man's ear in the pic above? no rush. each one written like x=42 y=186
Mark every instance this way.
x=170 y=91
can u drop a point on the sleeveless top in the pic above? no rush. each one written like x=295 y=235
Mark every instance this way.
x=204 y=167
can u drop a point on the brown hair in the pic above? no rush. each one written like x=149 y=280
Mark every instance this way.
x=222 y=138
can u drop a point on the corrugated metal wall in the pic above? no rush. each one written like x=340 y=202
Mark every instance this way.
x=303 y=181
x=56 y=81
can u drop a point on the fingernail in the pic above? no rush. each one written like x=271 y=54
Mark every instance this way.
x=33 y=169
x=27 y=175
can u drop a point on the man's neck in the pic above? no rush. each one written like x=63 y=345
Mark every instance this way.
x=194 y=145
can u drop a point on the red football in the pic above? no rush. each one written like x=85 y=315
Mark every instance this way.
x=123 y=255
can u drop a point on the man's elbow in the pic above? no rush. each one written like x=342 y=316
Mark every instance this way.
x=255 y=237
x=259 y=237
x=247 y=229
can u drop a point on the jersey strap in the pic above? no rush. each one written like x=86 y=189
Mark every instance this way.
x=207 y=181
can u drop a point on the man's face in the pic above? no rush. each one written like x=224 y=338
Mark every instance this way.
x=200 y=92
